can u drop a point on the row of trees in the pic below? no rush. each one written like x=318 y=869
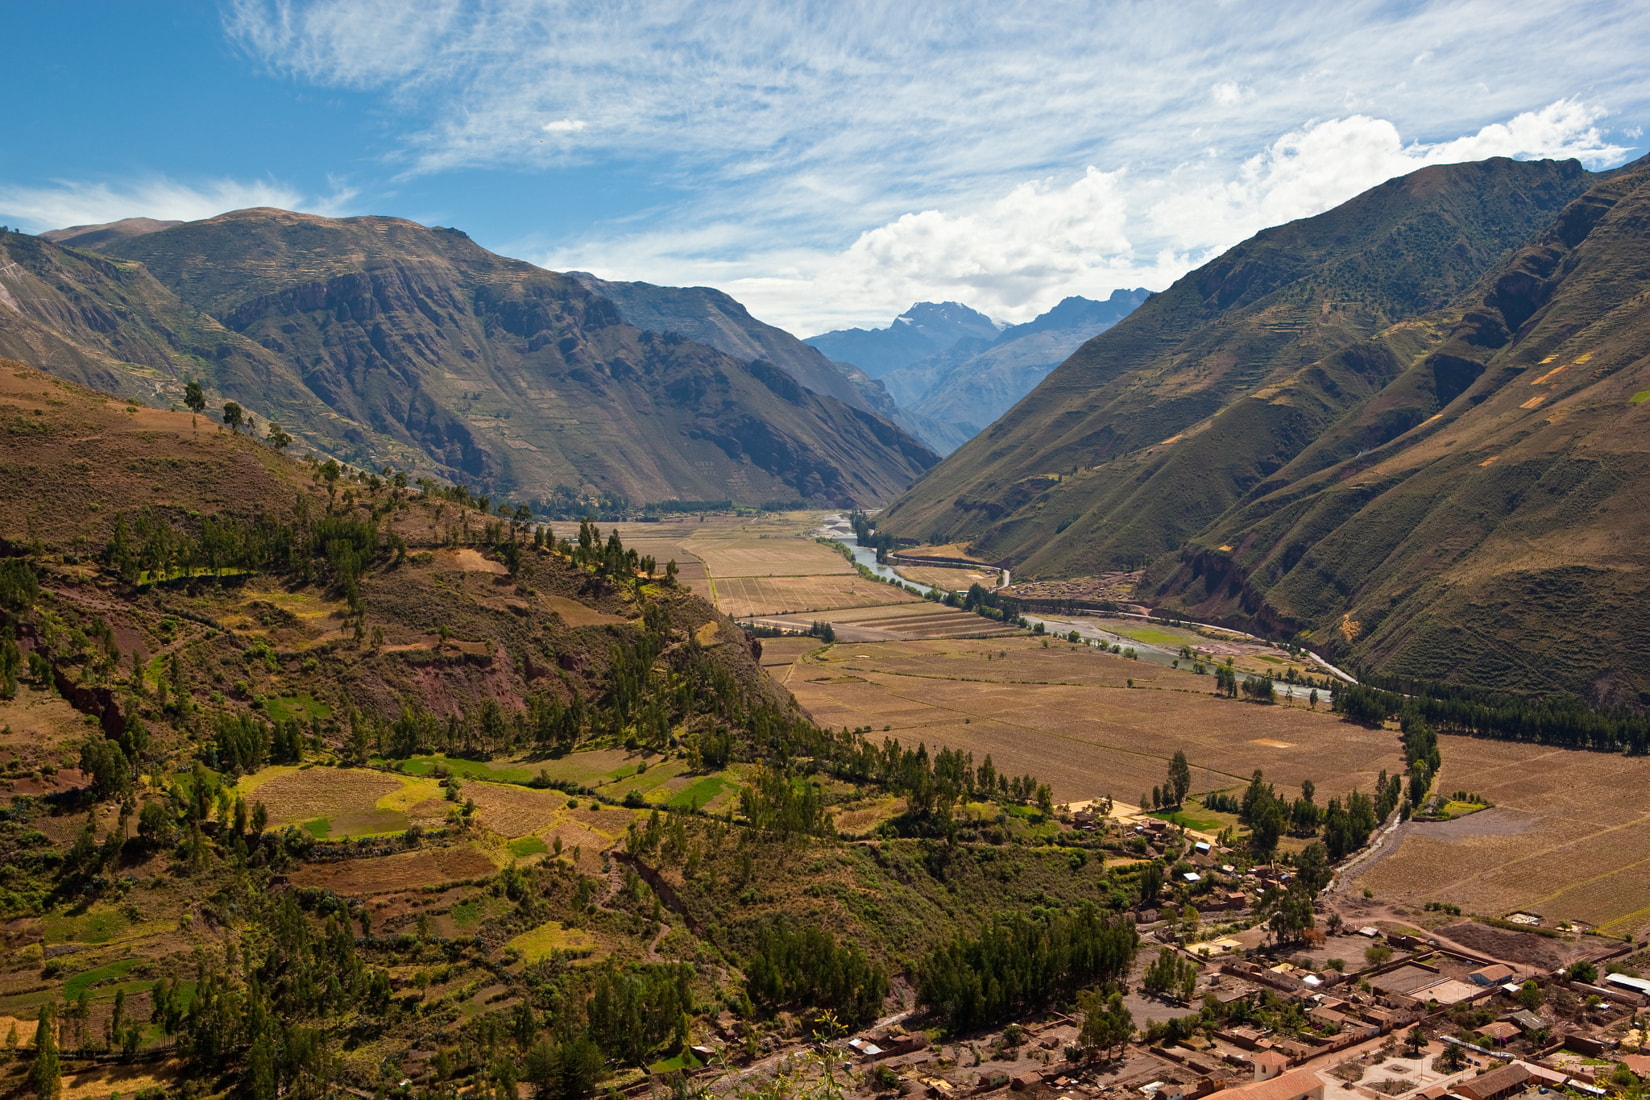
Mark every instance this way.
x=1563 y=720
x=333 y=549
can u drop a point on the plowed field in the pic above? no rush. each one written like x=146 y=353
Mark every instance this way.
x=1066 y=715
x=1568 y=839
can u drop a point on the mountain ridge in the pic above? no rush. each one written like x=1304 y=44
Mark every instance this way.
x=378 y=339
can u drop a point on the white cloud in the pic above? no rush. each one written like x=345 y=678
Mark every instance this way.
x=1227 y=93
x=1319 y=166
x=66 y=202
x=839 y=158
x=1014 y=256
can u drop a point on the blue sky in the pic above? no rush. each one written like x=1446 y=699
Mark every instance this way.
x=826 y=163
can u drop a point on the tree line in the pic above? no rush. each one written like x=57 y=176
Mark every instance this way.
x=1564 y=720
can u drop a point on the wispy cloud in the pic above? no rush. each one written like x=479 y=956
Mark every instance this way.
x=874 y=138
x=1017 y=255
x=65 y=203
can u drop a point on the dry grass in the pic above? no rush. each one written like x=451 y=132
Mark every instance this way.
x=953 y=579
x=471 y=561
x=514 y=811
x=1569 y=838
x=1083 y=731
x=574 y=613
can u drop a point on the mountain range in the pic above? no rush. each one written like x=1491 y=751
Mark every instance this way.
x=1409 y=431
x=952 y=371
x=379 y=340
x=950 y=397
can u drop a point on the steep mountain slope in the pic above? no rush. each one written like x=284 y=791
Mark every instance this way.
x=710 y=317
x=390 y=341
x=953 y=396
x=108 y=324
x=1159 y=425
x=925 y=329
x=1482 y=518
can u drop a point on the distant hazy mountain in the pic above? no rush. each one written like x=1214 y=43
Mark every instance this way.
x=951 y=397
x=1410 y=431
x=717 y=320
x=383 y=341
x=927 y=328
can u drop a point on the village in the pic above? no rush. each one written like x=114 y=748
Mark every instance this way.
x=1368 y=1007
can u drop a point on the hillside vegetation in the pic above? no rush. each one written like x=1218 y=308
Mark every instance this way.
x=316 y=777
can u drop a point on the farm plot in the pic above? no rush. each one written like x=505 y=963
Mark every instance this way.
x=743 y=596
x=338 y=802
x=911 y=621
x=512 y=811
x=957 y=579
x=1568 y=838
x=1090 y=735
x=772 y=557
x=393 y=874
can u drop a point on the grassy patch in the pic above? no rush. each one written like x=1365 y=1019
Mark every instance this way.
x=552 y=937
x=524 y=846
x=1640 y=398
x=78 y=984
x=288 y=708
x=1454 y=808
x=1150 y=635
x=318 y=827
x=1182 y=818
x=682 y=1061
x=698 y=794
x=93 y=926
x=466 y=914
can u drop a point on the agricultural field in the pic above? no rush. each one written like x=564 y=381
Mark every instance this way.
x=743 y=597
x=415 y=870
x=898 y=622
x=1567 y=838
x=526 y=821
x=344 y=802
x=1067 y=715
x=957 y=580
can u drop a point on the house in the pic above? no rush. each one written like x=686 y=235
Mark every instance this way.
x=1268 y=1064
x=1627 y=981
x=1302 y=1084
x=1496 y=1084
x=1495 y=974
x=1499 y=1032
x=1528 y=1021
